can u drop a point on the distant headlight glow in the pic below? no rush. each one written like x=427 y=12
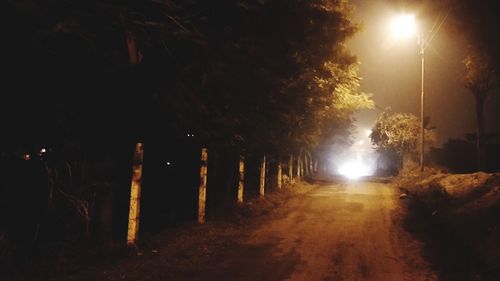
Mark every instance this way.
x=355 y=169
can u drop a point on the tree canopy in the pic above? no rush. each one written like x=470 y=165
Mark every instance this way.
x=480 y=78
x=399 y=132
x=272 y=74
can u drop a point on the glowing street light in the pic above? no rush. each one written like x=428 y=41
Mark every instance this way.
x=403 y=27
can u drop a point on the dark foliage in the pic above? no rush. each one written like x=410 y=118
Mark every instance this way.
x=458 y=155
x=241 y=77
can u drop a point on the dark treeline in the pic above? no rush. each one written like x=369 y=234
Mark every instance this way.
x=86 y=80
x=459 y=155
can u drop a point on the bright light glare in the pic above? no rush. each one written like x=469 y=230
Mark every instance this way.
x=355 y=169
x=403 y=26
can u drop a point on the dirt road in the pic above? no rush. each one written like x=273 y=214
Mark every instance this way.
x=346 y=231
x=324 y=232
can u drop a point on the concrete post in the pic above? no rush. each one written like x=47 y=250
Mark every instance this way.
x=202 y=190
x=135 y=196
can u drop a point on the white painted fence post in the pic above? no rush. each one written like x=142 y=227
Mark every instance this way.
x=241 y=180
x=311 y=169
x=280 y=175
x=202 y=190
x=298 y=168
x=301 y=159
x=262 y=177
x=135 y=196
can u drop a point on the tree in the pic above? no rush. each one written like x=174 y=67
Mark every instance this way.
x=278 y=77
x=480 y=79
x=399 y=133
x=88 y=79
x=227 y=69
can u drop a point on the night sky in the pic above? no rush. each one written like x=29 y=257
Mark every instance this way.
x=391 y=72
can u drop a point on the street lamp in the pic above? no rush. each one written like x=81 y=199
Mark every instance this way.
x=403 y=27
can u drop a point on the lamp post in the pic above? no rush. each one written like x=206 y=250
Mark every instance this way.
x=422 y=129
x=404 y=26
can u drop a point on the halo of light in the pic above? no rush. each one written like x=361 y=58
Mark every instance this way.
x=355 y=169
x=403 y=26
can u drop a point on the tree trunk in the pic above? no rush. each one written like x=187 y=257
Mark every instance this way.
x=305 y=171
x=480 y=146
x=290 y=168
x=302 y=162
x=133 y=55
x=262 y=177
x=241 y=180
x=304 y=166
x=135 y=196
x=106 y=218
x=202 y=190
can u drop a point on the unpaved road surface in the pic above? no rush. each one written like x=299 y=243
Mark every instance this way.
x=326 y=232
x=347 y=231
